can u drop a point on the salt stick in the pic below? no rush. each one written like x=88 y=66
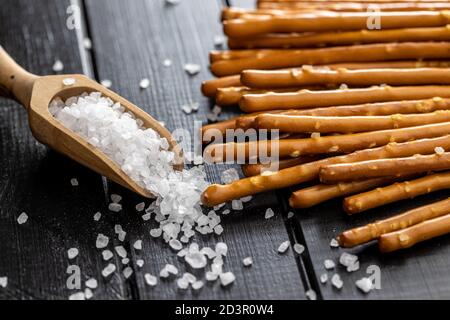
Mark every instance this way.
x=309 y=197
x=408 y=237
x=351 y=124
x=385 y=167
x=369 y=109
x=252 y=26
x=217 y=194
x=372 y=231
x=396 y=192
x=306 y=40
x=251 y=170
x=322 y=145
x=260 y=79
x=305 y=99
x=355 y=53
x=209 y=87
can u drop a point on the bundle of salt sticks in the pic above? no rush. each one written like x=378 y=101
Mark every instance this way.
x=362 y=112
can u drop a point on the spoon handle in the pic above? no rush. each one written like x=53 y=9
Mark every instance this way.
x=15 y=82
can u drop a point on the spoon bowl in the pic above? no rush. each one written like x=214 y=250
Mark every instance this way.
x=35 y=94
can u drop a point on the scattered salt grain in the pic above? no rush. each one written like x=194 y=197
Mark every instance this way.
x=68 y=82
x=72 y=253
x=186 y=108
x=77 y=296
x=334 y=243
x=283 y=247
x=155 y=233
x=102 y=241
x=226 y=278
x=182 y=283
x=290 y=214
x=140 y=263
x=3 y=282
x=150 y=279
x=336 y=281
x=23 y=218
x=106 y=83
x=226 y=211
x=350 y=261
x=211 y=276
x=353 y=267
x=329 y=264
x=323 y=278
x=192 y=69
x=109 y=269
x=144 y=83
x=439 y=150
x=115 y=198
x=247 y=261
x=58 y=66
x=246 y=199
x=121 y=251
x=107 y=254
x=218 y=230
x=196 y=259
x=364 y=284
x=147 y=217
x=197 y=285
x=175 y=244
x=138 y=245
x=167 y=63
x=88 y=293
x=298 y=248
x=237 y=205
x=127 y=272
x=229 y=175
x=97 y=216
x=219 y=41
x=115 y=207
x=91 y=283
x=269 y=213
x=87 y=43
x=171 y=269
x=125 y=261
x=74 y=182
x=140 y=206
x=311 y=294
x=163 y=273
x=221 y=248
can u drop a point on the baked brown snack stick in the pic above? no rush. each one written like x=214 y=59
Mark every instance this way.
x=209 y=87
x=385 y=167
x=396 y=192
x=408 y=237
x=309 y=197
x=260 y=79
x=323 y=145
x=356 y=53
x=331 y=21
x=216 y=194
x=351 y=124
x=251 y=170
x=308 y=40
x=305 y=99
x=372 y=231
x=219 y=55
x=232 y=95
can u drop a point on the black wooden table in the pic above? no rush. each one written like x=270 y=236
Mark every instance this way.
x=130 y=41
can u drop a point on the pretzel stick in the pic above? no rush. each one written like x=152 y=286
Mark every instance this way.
x=362 y=77
x=385 y=167
x=256 y=25
x=408 y=237
x=352 y=124
x=232 y=95
x=309 y=197
x=216 y=55
x=396 y=192
x=355 y=53
x=304 y=99
x=209 y=87
x=281 y=40
x=251 y=170
x=216 y=194
x=322 y=145
x=372 y=231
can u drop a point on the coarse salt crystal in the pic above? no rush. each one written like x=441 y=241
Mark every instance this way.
x=106 y=83
x=68 y=81
x=336 y=281
x=138 y=245
x=102 y=241
x=88 y=294
x=323 y=278
x=140 y=206
x=87 y=43
x=218 y=230
x=167 y=63
x=192 y=69
x=121 y=251
x=175 y=244
x=182 y=283
x=229 y=175
x=97 y=216
x=155 y=233
x=151 y=280
x=269 y=213
x=196 y=260
x=115 y=198
x=74 y=182
x=127 y=272
x=92 y=283
x=197 y=285
x=311 y=294
x=283 y=247
x=247 y=261
x=3 y=282
x=350 y=261
x=226 y=211
x=227 y=278
x=329 y=264
x=364 y=284
x=77 y=296
x=298 y=248
x=147 y=217
x=246 y=199
x=144 y=83
x=211 y=276
x=72 y=253
x=221 y=248
x=58 y=66
x=109 y=269
x=125 y=261
x=186 y=109
x=290 y=214
x=334 y=243
x=107 y=254
x=237 y=205
x=23 y=218
x=171 y=269
x=140 y=263
x=115 y=207
x=439 y=150
x=164 y=273
x=353 y=267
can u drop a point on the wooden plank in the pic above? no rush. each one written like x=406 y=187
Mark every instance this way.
x=36 y=180
x=130 y=43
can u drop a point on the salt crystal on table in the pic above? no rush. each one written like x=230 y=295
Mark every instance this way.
x=150 y=279
x=88 y=293
x=155 y=233
x=192 y=69
x=196 y=259
x=77 y=296
x=364 y=284
x=353 y=267
x=121 y=251
x=246 y=199
x=298 y=248
x=218 y=230
x=87 y=43
x=211 y=276
x=140 y=263
x=237 y=205
x=102 y=241
x=210 y=253
x=167 y=63
x=109 y=269
x=68 y=81
x=140 y=206
x=336 y=281
x=144 y=83
x=212 y=117
x=97 y=216
x=125 y=261
x=189 y=277
x=323 y=278
x=163 y=273
x=348 y=260
x=182 y=283
x=439 y=150
x=138 y=245
x=147 y=217
x=115 y=207
x=229 y=175
x=290 y=214
x=283 y=247
x=186 y=109
x=74 y=182
x=219 y=41
x=175 y=244
x=247 y=261
x=182 y=252
x=107 y=254
x=197 y=285
x=311 y=294
x=221 y=248
x=226 y=211
x=92 y=283
x=106 y=83
x=3 y=282
x=269 y=213
x=72 y=253
x=329 y=264
x=23 y=217
x=227 y=278
x=334 y=243
x=116 y=198
x=58 y=66
x=127 y=272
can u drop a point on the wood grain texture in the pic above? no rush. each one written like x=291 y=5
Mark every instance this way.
x=131 y=43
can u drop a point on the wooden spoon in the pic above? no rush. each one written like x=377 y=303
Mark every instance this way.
x=35 y=94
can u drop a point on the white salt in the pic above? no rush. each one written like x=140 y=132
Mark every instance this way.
x=144 y=83
x=116 y=198
x=350 y=261
x=237 y=205
x=163 y=273
x=138 y=245
x=87 y=43
x=121 y=251
x=336 y=281
x=102 y=241
x=107 y=255
x=171 y=269
x=311 y=294
x=211 y=276
x=182 y=283
x=189 y=277
x=439 y=150
x=218 y=230
x=147 y=217
x=226 y=278
x=186 y=108
x=58 y=66
x=151 y=280
x=364 y=284
x=269 y=213
x=140 y=263
x=167 y=63
x=72 y=253
x=97 y=216
x=88 y=294
x=298 y=248
x=23 y=218
x=221 y=248
x=329 y=264
x=226 y=211
x=127 y=272
x=106 y=83
x=68 y=81
x=77 y=296
x=196 y=260
x=125 y=261
x=155 y=233
x=247 y=261
x=175 y=244
x=115 y=207
x=140 y=206
x=192 y=69
x=283 y=247
x=92 y=283
x=323 y=278
x=197 y=285
x=229 y=175
x=246 y=199
x=109 y=269
x=290 y=214
x=74 y=182
x=334 y=243
x=3 y=282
